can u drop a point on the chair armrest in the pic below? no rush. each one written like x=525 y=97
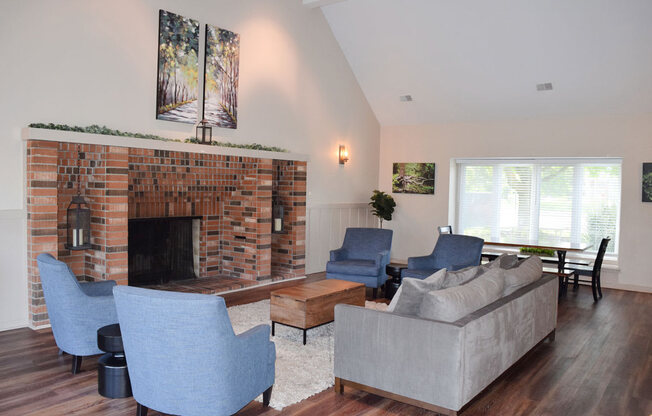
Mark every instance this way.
x=339 y=254
x=254 y=359
x=382 y=259
x=99 y=288
x=422 y=262
x=418 y=358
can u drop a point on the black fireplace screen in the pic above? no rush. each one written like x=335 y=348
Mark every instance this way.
x=160 y=250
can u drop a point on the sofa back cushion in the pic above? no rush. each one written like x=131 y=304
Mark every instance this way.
x=408 y=298
x=455 y=302
x=460 y=277
x=526 y=272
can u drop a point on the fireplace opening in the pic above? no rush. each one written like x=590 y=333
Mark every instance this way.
x=163 y=250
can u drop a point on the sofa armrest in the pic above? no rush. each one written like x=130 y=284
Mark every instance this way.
x=99 y=288
x=409 y=356
x=421 y=262
x=338 y=254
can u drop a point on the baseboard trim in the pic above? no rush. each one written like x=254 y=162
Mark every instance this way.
x=9 y=325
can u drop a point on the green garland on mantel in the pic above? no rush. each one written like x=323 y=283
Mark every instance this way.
x=95 y=129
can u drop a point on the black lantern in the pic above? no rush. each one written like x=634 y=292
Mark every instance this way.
x=277 y=217
x=204 y=132
x=79 y=224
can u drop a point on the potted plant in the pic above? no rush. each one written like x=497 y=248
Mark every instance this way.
x=382 y=206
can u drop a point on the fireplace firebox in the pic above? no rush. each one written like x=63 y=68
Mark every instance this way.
x=162 y=250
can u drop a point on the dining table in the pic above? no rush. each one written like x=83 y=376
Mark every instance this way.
x=560 y=248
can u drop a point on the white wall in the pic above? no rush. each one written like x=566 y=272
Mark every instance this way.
x=94 y=62
x=629 y=137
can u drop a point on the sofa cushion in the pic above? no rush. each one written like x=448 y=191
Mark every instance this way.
x=504 y=261
x=408 y=297
x=461 y=277
x=359 y=267
x=528 y=271
x=455 y=302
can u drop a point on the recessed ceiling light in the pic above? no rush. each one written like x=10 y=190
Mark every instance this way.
x=406 y=98
x=546 y=86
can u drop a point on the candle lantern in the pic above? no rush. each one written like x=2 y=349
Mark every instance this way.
x=277 y=217
x=79 y=224
x=204 y=132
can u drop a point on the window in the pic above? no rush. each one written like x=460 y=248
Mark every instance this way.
x=543 y=201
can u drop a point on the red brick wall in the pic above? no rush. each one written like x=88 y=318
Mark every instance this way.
x=232 y=195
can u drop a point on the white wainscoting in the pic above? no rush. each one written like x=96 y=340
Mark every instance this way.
x=325 y=228
x=13 y=270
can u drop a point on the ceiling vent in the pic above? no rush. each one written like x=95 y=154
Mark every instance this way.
x=544 y=87
x=405 y=98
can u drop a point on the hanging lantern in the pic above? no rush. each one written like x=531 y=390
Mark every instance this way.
x=79 y=224
x=79 y=216
x=204 y=132
x=277 y=217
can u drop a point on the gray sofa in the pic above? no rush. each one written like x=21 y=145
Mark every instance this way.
x=438 y=365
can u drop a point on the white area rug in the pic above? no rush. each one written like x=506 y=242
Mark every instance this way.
x=301 y=370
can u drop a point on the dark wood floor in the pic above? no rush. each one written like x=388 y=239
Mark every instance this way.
x=600 y=364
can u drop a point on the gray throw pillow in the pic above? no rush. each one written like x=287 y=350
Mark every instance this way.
x=408 y=297
x=460 y=277
x=504 y=261
x=528 y=271
x=449 y=305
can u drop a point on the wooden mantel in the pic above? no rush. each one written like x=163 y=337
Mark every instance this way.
x=30 y=133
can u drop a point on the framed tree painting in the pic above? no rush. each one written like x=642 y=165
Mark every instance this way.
x=221 y=73
x=413 y=178
x=177 y=87
x=647 y=182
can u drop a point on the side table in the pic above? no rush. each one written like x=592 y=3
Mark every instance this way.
x=392 y=285
x=112 y=374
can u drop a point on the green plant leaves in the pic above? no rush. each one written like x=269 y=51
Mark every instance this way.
x=382 y=205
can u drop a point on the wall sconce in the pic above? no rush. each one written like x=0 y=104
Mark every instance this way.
x=344 y=154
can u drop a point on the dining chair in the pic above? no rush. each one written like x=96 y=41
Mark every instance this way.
x=593 y=272
x=445 y=229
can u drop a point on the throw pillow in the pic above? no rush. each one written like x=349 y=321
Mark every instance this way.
x=449 y=305
x=528 y=271
x=460 y=277
x=408 y=297
x=504 y=261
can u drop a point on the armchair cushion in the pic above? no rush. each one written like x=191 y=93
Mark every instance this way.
x=359 y=267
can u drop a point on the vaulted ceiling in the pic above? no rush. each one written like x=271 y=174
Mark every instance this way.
x=481 y=60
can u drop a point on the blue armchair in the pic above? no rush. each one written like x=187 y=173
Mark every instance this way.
x=185 y=359
x=452 y=252
x=362 y=257
x=76 y=310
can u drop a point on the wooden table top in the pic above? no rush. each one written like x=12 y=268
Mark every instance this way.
x=318 y=289
x=560 y=246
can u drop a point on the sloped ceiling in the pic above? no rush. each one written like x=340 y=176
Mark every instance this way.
x=481 y=60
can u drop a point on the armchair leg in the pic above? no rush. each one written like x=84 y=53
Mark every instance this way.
x=141 y=410
x=339 y=387
x=61 y=351
x=76 y=364
x=267 y=395
x=375 y=293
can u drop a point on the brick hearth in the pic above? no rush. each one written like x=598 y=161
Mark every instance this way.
x=232 y=195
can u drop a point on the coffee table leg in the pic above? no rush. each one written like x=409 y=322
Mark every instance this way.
x=304 y=336
x=273 y=327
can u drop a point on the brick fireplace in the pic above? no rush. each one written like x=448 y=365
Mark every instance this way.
x=230 y=194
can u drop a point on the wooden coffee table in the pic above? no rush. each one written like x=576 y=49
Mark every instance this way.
x=312 y=304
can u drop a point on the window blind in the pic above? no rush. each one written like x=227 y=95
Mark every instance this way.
x=546 y=201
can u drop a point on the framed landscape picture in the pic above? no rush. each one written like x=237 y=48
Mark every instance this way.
x=647 y=182
x=221 y=75
x=413 y=178
x=177 y=88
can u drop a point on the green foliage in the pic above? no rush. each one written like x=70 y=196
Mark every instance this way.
x=413 y=178
x=95 y=129
x=647 y=187
x=537 y=251
x=382 y=206
x=253 y=146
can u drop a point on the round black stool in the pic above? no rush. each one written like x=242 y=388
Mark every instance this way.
x=392 y=285
x=112 y=375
